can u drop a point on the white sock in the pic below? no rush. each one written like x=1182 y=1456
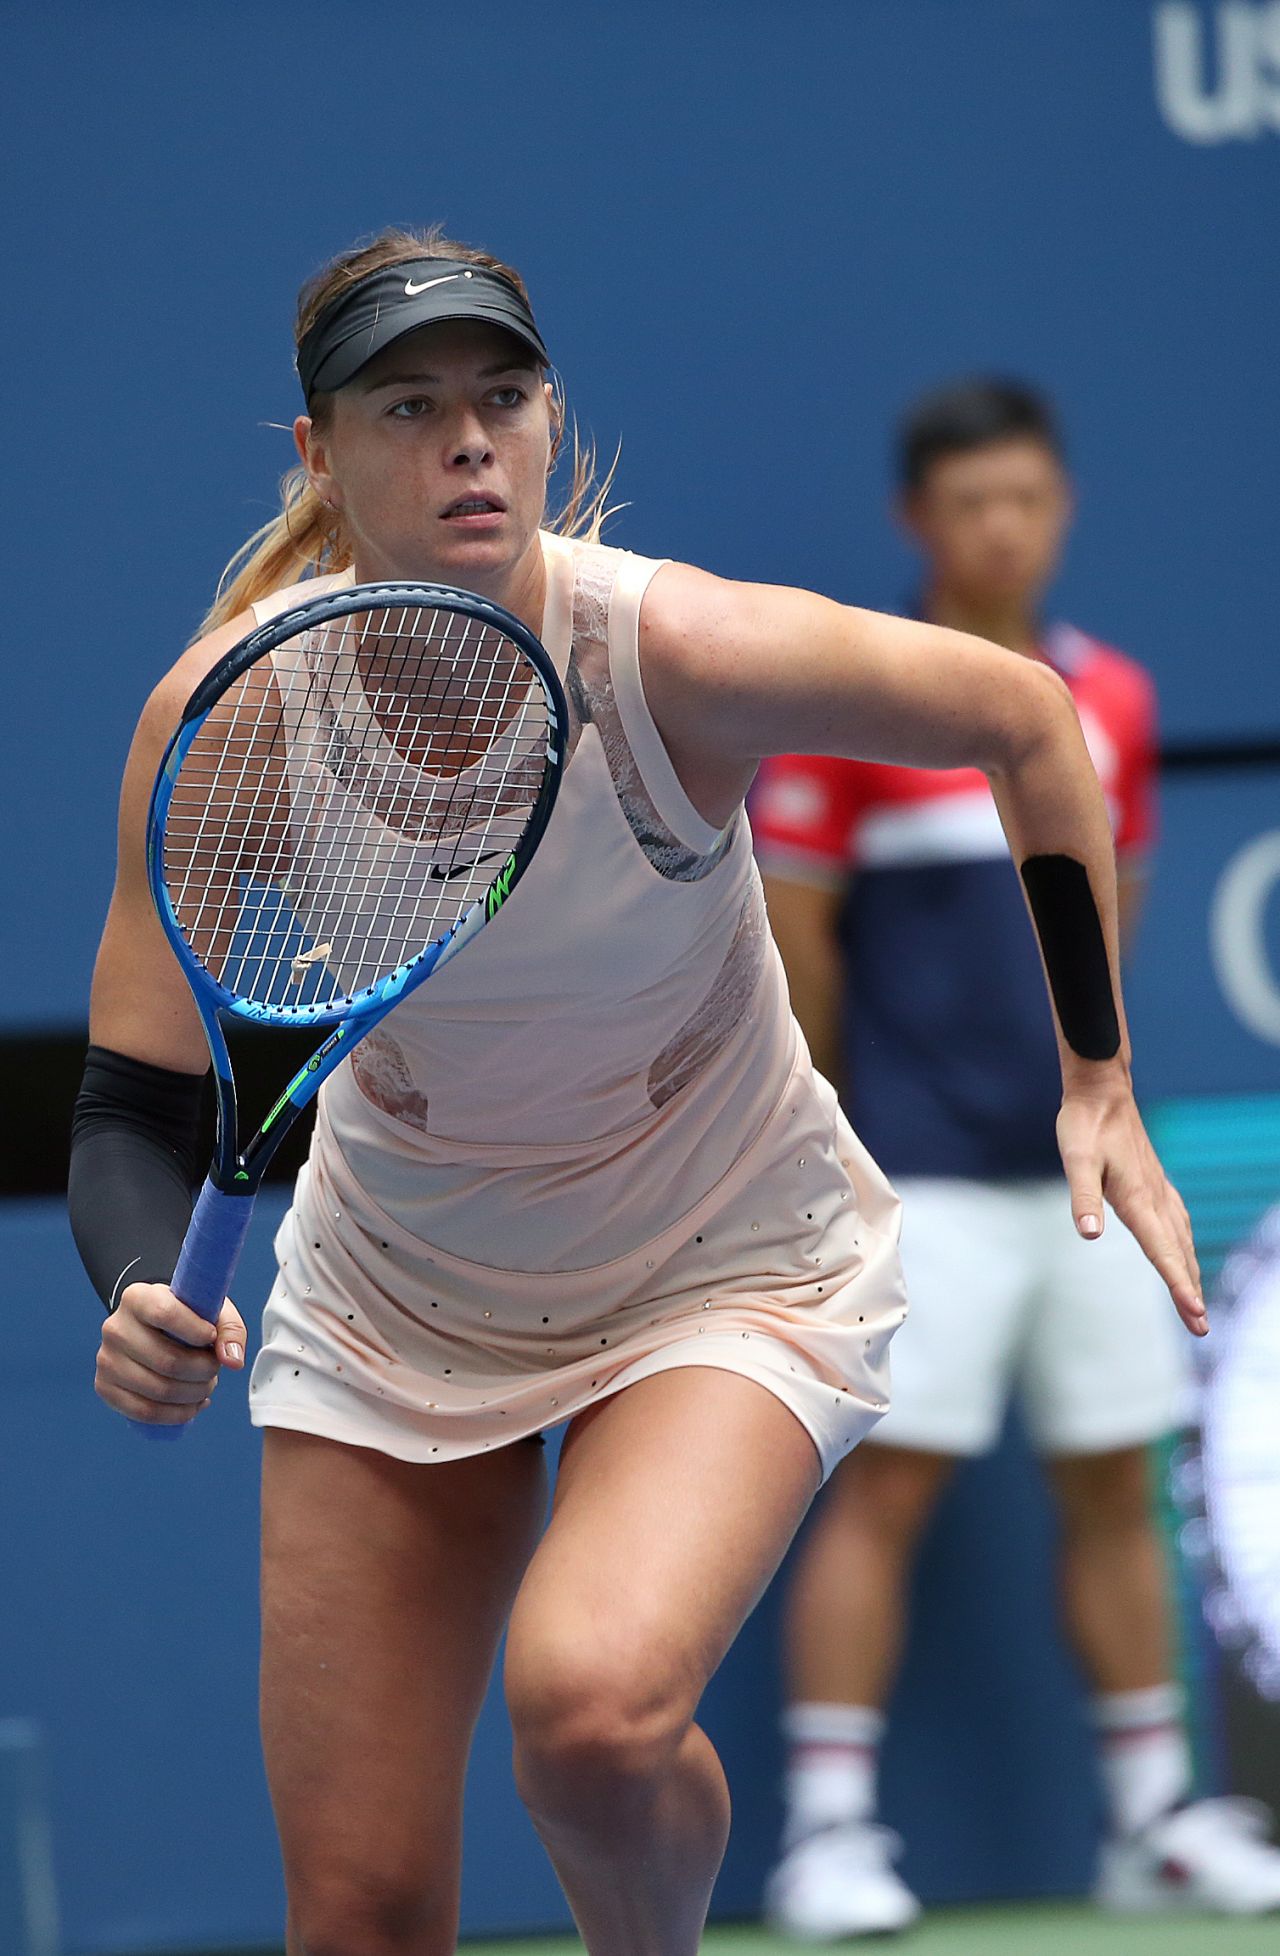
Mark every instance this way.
x=831 y=1766
x=1143 y=1753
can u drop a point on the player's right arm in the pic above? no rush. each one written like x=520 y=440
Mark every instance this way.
x=736 y=672
x=137 y=1122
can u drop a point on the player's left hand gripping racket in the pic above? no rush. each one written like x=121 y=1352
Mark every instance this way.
x=352 y=794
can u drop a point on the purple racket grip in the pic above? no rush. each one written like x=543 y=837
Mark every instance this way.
x=206 y=1264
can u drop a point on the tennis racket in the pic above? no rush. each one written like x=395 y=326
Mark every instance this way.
x=352 y=794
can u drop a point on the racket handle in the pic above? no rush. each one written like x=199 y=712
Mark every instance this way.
x=206 y=1263
x=211 y=1250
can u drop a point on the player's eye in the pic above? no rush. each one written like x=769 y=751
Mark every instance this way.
x=410 y=409
x=508 y=397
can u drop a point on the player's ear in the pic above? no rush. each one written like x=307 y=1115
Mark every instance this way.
x=313 y=452
x=555 y=415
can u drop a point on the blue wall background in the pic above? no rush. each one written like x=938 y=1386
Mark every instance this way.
x=752 y=231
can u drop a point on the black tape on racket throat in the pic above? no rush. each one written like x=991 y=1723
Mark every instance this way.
x=1075 y=954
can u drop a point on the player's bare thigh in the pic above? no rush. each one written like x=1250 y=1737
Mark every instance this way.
x=675 y=1502
x=385 y=1586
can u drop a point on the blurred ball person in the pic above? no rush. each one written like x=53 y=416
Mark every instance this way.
x=915 y=976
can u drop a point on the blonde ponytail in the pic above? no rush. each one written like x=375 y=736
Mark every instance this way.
x=306 y=537
x=586 y=507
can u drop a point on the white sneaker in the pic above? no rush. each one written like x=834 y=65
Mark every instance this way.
x=1212 y=1856
x=837 y=1883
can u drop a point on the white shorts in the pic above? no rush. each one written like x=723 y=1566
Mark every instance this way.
x=1004 y=1296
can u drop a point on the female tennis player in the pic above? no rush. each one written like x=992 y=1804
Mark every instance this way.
x=586 y=1174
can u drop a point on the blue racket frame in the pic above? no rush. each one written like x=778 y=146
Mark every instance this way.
x=224 y=1207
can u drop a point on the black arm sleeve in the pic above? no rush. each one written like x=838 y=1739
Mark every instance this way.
x=1075 y=953
x=135 y=1150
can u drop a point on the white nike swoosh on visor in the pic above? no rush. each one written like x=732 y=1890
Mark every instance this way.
x=413 y=290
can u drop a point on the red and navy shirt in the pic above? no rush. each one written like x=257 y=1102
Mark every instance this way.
x=950 y=1060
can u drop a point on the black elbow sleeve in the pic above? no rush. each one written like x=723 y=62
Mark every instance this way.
x=135 y=1155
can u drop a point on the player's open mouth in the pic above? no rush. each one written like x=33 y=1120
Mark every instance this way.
x=468 y=509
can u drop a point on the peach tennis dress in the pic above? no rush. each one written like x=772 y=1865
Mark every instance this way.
x=593 y=1147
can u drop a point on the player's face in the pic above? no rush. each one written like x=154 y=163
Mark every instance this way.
x=991 y=523
x=437 y=456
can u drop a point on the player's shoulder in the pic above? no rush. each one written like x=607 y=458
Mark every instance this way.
x=686 y=607
x=689 y=610
x=196 y=662
x=163 y=709
x=193 y=665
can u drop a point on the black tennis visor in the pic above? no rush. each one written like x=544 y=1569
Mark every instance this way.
x=395 y=301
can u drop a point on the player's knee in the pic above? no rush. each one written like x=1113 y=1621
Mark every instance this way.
x=366 y=1914
x=590 y=1723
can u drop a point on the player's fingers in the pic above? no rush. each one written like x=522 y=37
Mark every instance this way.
x=119 y=1373
x=1182 y=1231
x=1085 y=1182
x=1158 y=1238
x=1186 y=1235
x=231 y=1336
x=1173 y=1211
x=155 y=1304
x=127 y=1341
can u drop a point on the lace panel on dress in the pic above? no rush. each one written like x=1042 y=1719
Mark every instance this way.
x=712 y=1025
x=591 y=699
x=383 y=1077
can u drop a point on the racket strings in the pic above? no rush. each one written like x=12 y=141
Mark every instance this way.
x=397 y=792
x=349 y=798
x=462 y=678
x=482 y=709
